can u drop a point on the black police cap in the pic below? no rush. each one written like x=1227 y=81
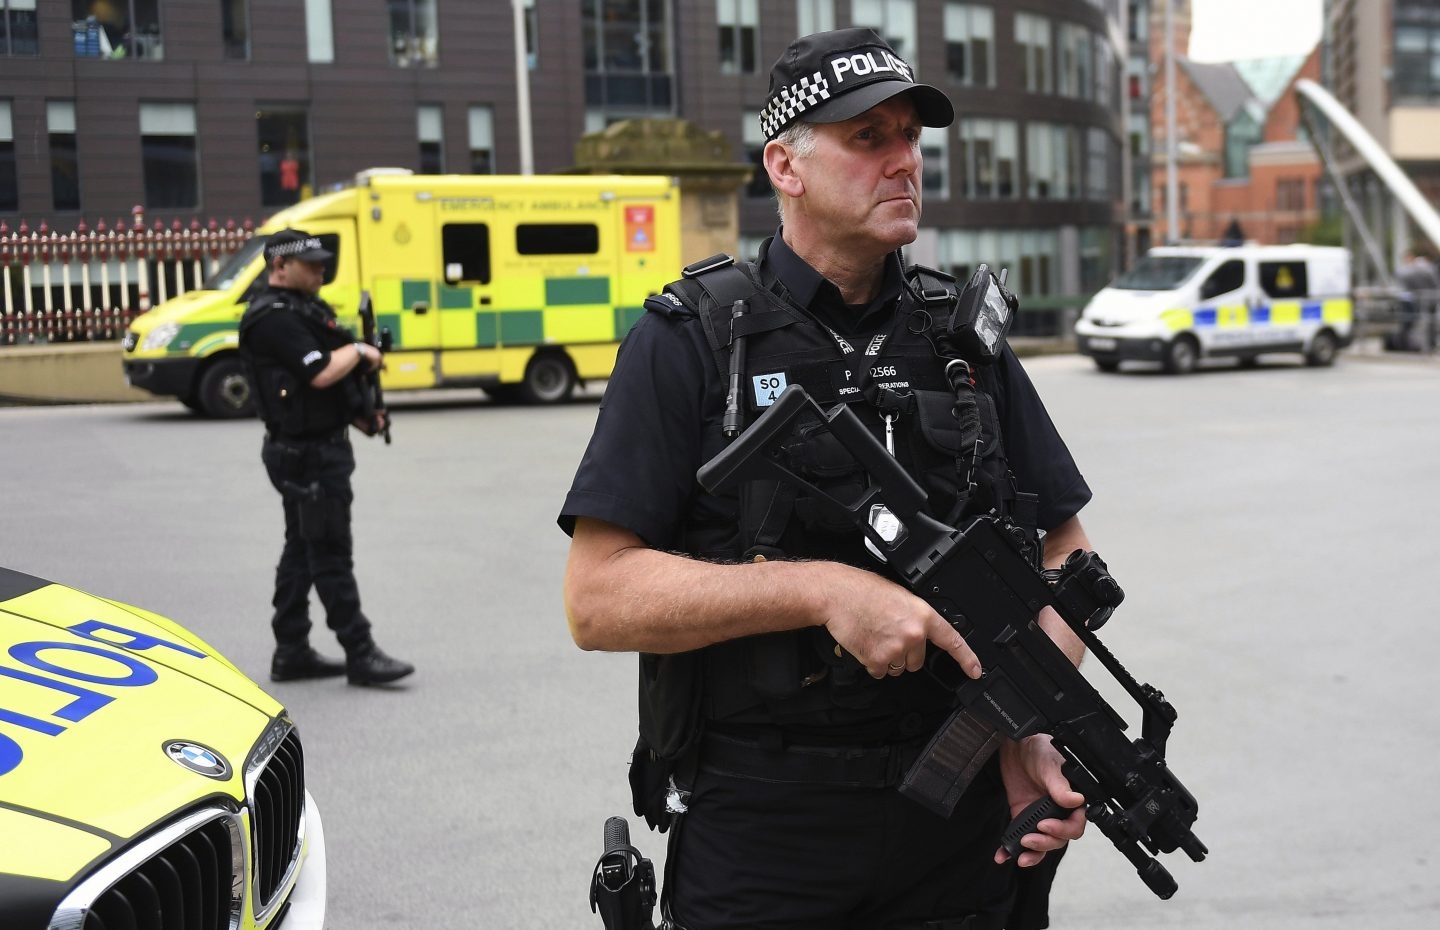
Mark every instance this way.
x=295 y=243
x=832 y=76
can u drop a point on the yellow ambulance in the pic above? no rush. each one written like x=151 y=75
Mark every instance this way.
x=520 y=285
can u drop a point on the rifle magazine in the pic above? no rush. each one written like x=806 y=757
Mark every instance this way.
x=950 y=762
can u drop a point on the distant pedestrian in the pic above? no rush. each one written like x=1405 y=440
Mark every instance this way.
x=1420 y=286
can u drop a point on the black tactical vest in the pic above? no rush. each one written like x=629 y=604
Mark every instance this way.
x=800 y=682
x=290 y=407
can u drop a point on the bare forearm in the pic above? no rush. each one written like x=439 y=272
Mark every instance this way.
x=650 y=601
x=1059 y=543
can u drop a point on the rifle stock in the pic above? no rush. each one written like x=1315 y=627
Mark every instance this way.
x=980 y=579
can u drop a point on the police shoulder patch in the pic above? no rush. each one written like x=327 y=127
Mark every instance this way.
x=667 y=304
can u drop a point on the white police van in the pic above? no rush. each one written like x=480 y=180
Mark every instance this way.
x=1184 y=303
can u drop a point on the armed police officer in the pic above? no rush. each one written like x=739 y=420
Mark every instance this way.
x=782 y=693
x=307 y=371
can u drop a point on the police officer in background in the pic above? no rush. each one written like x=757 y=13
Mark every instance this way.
x=782 y=692
x=307 y=371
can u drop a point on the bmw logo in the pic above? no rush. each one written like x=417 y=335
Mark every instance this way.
x=198 y=759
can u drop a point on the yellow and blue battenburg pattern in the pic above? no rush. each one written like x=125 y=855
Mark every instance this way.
x=1335 y=310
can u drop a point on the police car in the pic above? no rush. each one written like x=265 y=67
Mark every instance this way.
x=1181 y=304
x=145 y=783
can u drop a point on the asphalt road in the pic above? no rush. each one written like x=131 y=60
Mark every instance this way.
x=1274 y=530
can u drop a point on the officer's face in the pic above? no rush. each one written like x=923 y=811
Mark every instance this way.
x=862 y=182
x=302 y=276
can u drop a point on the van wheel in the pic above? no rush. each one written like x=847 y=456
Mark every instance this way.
x=1182 y=355
x=1322 y=350
x=1107 y=364
x=549 y=379
x=224 y=392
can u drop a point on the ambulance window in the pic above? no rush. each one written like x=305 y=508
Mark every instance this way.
x=466 y=245
x=1228 y=277
x=557 y=239
x=1284 y=279
x=330 y=242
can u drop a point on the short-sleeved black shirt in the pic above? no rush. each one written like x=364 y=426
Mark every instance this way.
x=659 y=420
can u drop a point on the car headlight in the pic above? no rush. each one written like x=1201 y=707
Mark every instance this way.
x=161 y=336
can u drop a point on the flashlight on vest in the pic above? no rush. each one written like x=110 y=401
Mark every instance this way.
x=982 y=317
x=734 y=417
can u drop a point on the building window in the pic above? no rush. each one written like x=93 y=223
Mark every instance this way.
x=969 y=39
x=9 y=187
x=1290 y=194
x=1096 y=248
x=18 y=32
x=117 y=29
x=987 y=158
x=1242 y=133
x=1052 y=159
x=813 y=16
x=64 y=155
x=413 y=33
x=1032 y=257
x=1105 y=74
x=284 y=136
x=169 y=154
x=430 y=130
x=1076 y=61
x=1097 y=164
x=235 y=28
x=532 y=36
x=482 y=140
x=1139 y=22
x=935 y=151
x=754 y=141
x=893 y=20
x=737 y=21
x=1032 y=34
x=319 y=32
x=628 y=71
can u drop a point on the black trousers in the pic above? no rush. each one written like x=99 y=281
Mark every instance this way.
x=767 y=855
x=313 y=478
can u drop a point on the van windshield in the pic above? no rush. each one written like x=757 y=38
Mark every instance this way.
x=234 y=266
x=1158 y=273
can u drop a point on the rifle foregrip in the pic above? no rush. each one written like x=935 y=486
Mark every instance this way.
x=1025 y=822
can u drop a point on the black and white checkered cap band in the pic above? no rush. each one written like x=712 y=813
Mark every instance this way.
x=294 y=248
x=788 y=105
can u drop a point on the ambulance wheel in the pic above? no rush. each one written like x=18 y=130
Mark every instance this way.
x=1107 y=364
x=549 y=379
x=1182 y=355
x=192 y=403
x=1322 y=350
x=224 y=391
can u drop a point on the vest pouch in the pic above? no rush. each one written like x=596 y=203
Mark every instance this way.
x=280 y=400
x=670 y=702
x=773 y=663
x=938 y=423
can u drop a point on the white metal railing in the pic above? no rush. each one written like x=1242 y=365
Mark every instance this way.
x=89 y=283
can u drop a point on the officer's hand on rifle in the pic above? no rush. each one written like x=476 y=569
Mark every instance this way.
x=885 y=626
x=1030 y=769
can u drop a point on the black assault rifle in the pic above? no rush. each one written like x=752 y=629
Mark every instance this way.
x=980 y=580
x=374 y=398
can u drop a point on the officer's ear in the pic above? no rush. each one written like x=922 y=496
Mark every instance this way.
x=780 y=165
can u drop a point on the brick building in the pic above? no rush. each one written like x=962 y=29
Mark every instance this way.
x=1242 y=159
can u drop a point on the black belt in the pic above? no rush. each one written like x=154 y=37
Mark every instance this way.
x=339 y=434
x=852 y=766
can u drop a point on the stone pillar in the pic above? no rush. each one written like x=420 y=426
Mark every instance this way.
x=710 y=179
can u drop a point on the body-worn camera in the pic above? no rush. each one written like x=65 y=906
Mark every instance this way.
x=982 y=316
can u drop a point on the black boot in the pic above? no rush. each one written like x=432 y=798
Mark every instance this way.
x=367 y=665
x=292 y=663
